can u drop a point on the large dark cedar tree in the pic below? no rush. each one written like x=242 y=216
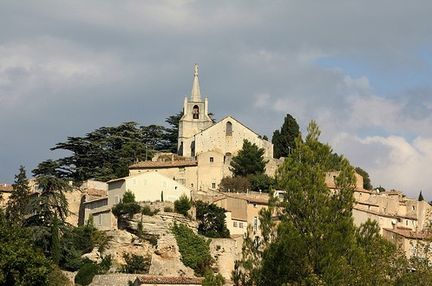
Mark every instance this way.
x=284 y=139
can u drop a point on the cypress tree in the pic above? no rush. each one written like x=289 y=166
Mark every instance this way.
x=17 y=206
x=284 y=139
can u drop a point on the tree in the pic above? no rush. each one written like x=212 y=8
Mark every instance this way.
x=249 y=160
x=49 y=206
x=136 y=263
x=105 y=153
x=261 y=182
x=284 y=139
x=182 y=205
x=21 y=262
x=126 y=208
x=235 y=184
x=316 y=242
x=171 y=134
x=366 y=180
x=211 y=220
x=18 y=203
x=420 y=198
x=210 y=279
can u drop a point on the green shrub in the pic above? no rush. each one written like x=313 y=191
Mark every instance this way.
x=147 y=211
x=182 y=205
x=210 y=279
x=105 y=264
x=168 y=209
x=194 y=250
x=57 y=278
x=136 y=264
x=127 y=206
x=86 y=273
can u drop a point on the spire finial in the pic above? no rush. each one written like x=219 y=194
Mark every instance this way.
x=196 y=93
x=196 y=70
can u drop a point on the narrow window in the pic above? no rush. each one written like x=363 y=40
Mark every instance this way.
x=195 y=112
x=235 y=224
x=213 y=185
x=211 y=159
x=228 y=129
x=240 y=225
x=100 y=219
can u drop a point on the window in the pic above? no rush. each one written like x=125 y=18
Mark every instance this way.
x=235 y=224
x=413 y=208
x=240 y=225
x=195 y=112
x=211 y=159
x=100 y=219
x=213 y=185
x=228 y=129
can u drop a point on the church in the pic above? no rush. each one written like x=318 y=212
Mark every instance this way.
x=205 y=147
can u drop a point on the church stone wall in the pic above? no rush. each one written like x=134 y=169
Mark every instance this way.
x=216 y=138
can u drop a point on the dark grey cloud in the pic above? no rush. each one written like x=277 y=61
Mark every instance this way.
x=67 y=68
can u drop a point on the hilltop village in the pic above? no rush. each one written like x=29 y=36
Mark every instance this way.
x=204 y=158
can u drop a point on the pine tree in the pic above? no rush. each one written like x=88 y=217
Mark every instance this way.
x=316 y=242
x=284 y=139
x=249 y=160
x=17 y=206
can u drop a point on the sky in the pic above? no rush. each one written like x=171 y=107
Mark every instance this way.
x=361 y=69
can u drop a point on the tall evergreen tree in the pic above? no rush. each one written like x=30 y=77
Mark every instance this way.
x=171 y=134
x=316 y=242
x=249 y=160
x=49 y=207
x=420 y=198
x=284 y=139
x=18 y=203
x=366 y=180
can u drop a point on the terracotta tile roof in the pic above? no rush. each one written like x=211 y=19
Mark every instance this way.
x=151 y=279
x=158 y=164
x=6 y=188
x=409 y=233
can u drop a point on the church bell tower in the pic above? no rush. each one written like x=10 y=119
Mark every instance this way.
x=195 y=118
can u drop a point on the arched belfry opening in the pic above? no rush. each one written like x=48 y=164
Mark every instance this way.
x=195 y=112
x=228 y=129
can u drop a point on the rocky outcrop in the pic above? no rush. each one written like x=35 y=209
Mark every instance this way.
x=155 y=240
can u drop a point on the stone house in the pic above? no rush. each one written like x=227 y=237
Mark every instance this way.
x=147 y=186
x=412 y=242
x=242 y=210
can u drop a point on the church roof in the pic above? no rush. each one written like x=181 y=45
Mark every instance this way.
x=231 y=118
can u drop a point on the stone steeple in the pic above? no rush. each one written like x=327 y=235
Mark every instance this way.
x=195 y=118
x=196 y=93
